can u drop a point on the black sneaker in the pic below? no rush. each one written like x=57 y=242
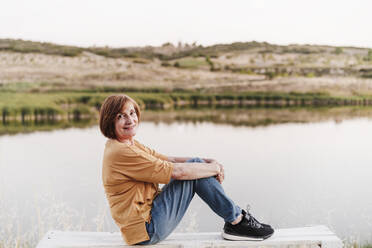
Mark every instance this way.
x=247 y=229
x=251 y=216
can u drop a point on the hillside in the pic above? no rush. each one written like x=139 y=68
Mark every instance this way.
x=27 y=66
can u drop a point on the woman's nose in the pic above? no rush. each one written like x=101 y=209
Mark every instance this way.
x=128 y=121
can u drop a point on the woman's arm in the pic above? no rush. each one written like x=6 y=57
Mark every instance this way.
x=178 y=159
x=220 y=176
x=184 y=159
x=190 y=171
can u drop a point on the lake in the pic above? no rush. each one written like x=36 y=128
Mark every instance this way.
x=291 y=174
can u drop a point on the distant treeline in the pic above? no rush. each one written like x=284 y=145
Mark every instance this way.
x=150 y=52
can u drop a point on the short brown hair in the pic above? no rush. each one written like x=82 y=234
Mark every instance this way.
x=111 y=106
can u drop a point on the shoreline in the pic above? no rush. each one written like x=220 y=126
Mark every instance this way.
x=247 y=117
x=76 y=105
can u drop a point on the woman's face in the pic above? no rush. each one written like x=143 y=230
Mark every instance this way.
x=126 y=122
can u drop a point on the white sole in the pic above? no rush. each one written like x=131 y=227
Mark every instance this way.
x=240 y=238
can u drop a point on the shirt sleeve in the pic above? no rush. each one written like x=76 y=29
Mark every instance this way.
x=152 y=152
x=144 y=166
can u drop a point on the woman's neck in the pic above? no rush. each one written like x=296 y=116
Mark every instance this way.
x=129 y=141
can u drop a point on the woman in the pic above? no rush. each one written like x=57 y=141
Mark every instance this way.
x=131 y=174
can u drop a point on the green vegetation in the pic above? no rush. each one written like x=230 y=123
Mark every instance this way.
x=74 y=99
x=147 y=52
x=79 y=95
x=166 y=64
x=21 y=87
x=225 y=114
x=80 y=105
x=141 y=61
x=38 y=47
x=339 y=50
x=190 y=63
x=299 y=49
x=210 y=63
x=310 y=75
x=268 y=60
x=150 y=52
x=28 y=126
x=366 y=73
x=369 y=55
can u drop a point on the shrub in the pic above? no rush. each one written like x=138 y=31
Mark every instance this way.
x=310 y=75
x=25 y=110
x=338 y=50
x=210 y=63
x=80 y=110
x=369 y=56
x=5 y=113
x=190 y=63
x=140 y=61
x=165 y=64
x=84 y=99
x=270 y=75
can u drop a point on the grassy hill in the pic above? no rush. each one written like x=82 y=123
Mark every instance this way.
x=40 y=78
x=183 y=66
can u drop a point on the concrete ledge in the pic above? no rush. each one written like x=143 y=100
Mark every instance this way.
x=315 y=237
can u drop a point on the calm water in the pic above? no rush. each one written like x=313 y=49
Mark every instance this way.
x=291 y=174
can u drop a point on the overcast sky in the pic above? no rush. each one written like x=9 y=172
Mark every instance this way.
x=138 y=22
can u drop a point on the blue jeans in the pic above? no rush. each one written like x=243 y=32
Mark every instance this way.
x=171 y=204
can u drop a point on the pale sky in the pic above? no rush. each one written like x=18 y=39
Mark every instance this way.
x=120 y=23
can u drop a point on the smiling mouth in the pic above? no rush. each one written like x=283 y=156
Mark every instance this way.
x=127 y=128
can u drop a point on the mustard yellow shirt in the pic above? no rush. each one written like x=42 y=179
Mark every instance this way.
x=130 y=175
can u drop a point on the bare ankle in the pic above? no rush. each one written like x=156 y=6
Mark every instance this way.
x=237 y=220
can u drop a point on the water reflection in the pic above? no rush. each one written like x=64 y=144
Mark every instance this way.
x=255 y=117
x=291 y=174
x=28 y=126
x=251 y=117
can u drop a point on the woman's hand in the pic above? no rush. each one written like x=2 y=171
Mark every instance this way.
x=221 y=174
x=209 y=160
x=190 y=170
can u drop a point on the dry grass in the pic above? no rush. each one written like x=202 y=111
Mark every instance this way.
x=237 y=70
x=23 y=227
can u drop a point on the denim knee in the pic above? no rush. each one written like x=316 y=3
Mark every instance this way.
x=195 y=160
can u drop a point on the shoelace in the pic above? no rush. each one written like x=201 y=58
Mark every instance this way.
x=252 y=220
